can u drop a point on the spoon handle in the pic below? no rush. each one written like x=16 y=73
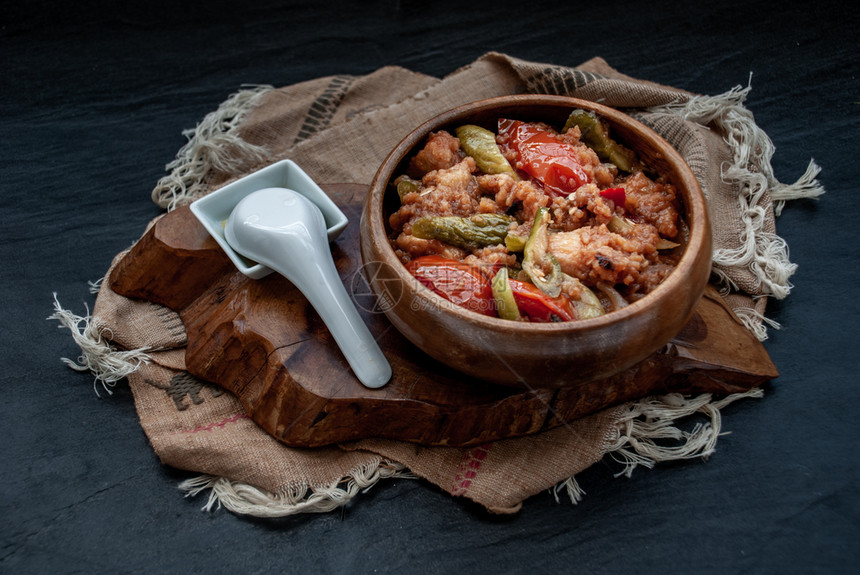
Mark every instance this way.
x=321 y=285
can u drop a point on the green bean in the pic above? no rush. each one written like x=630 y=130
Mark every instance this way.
x=465 y=232
x=480 y=143
x=595 y=135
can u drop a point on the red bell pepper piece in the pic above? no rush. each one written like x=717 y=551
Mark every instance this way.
x=544 y=157
x=457 y=282
x=538 y=306
x=617 y=195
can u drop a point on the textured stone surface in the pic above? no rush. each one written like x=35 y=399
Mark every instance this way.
x=93 y=99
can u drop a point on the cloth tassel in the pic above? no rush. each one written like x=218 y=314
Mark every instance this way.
x=755 y=322
x=571 y=487
x=107 y=364
x=650 y=424
x=245 y=499
x=806 y=187
x=213 y=145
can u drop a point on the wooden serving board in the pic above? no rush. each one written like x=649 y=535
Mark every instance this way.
x=261 y=340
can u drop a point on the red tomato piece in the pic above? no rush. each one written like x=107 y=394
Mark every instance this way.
x=544 y=157
x=617 y=195
x=538 y=306
x=457 y=282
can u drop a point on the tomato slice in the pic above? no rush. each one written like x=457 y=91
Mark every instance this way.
x=457 y=282
x=544 y=157
x=538 y=306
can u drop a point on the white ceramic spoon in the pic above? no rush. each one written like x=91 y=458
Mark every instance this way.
x=286 y=232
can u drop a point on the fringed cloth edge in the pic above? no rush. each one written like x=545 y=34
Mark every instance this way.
x=246 y=499
x=107 y=364
x=212 y=145
x=642 y=439
x=764 y=254
x=641 y=436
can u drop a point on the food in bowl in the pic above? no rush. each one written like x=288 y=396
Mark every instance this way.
x=534 y=222
x=533 y=353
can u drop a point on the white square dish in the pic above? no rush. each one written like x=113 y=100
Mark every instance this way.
x=213 y=210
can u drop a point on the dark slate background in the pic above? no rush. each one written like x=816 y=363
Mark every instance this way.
x=93 y=98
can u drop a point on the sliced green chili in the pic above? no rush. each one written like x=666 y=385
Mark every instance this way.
x=480 y=143
x=595 y=135
x=541 y=266
x=406 y=186
x=623 y=226
x=588 y=305
x=506 y=305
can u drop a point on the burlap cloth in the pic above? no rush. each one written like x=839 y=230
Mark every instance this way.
x=339 y=129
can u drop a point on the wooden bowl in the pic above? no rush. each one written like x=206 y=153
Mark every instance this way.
x=536 y=354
